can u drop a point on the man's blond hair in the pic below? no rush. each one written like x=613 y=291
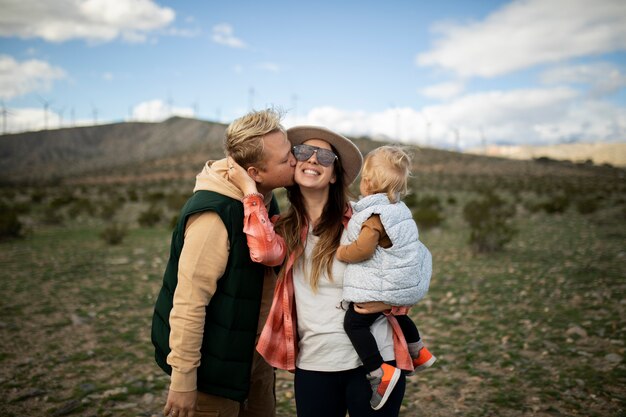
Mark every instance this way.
x=244 y=136
x=387 y=169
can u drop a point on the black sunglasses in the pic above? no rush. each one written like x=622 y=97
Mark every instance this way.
x=324 y=156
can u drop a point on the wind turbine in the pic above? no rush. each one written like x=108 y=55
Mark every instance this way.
x=61 y=111
x=457 y=138
x=428 y=124
x=483 y=141
x=46 y=105
x=170 y=105
x=5 y=113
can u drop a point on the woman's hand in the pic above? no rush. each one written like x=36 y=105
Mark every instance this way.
x=240 y=178
x=371 y=307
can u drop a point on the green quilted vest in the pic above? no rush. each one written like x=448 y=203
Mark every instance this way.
x=232 y=314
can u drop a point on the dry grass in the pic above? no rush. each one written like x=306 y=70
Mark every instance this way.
x=536 y=330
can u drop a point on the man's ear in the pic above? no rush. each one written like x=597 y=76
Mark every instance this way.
x=254 y=173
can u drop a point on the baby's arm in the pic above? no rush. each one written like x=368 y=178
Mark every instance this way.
x=364 y=246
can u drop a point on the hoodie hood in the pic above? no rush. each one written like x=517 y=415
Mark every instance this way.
x=214 y=177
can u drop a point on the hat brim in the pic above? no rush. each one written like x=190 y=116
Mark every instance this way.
x=349 y=155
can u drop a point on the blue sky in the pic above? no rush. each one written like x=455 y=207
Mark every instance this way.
x=457 y=74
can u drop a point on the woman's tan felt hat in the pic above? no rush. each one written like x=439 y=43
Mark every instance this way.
x=348 y=153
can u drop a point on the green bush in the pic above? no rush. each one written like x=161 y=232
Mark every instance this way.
x=62 y=200
x=176 y=201
x=556 y=204
x=108 y=210
x=427 y=212
x=81 y=205
x=587 y=205
x=52 y=216
x=132 y=195
x=489 y=219
x=150 y=217
x=114 y=234
x=10 y=224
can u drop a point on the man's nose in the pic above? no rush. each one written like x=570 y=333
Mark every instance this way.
x=292 y=161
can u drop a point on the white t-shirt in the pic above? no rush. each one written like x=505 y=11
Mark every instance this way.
x=324 y=344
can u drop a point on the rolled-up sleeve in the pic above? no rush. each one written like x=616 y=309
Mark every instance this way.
x=266 y=246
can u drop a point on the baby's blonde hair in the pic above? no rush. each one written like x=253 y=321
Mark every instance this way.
x=387 y=170
x=244 y=136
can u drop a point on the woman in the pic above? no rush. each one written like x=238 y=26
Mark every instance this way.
x=304 y=332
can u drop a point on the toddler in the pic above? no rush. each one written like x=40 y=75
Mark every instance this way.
x=387 y=263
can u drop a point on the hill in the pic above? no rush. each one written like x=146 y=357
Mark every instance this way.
x=62 y=153
x=598 y=153
x=177 y=148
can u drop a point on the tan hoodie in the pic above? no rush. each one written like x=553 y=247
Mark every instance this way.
x=202 y=262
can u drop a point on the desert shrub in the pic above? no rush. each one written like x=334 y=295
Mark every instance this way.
x=174 y=221
x=37 y=196
x=150 y=217
x=556 y=204
x=451 y=200
x=427 y=212
x=81 y=205
x=489 y=219
x=52 y=216
x=587 y=205
x=10 y=224
x=108 y=210
x=62 y=200
x=114 y=233
x=132 y=195
x=155 y=197
x=175 y=201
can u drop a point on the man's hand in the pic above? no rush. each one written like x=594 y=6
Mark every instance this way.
x=180 y=404
x=240 y=178
x=371 y=307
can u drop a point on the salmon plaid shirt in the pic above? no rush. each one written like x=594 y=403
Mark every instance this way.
x=278 y=342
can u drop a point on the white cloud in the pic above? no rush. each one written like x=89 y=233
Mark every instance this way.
x=36 y=118
x=602 y=77
x=531 y=116
x=19 y=78
x=158 y=110
x=93 y=20
x=224 y=35
x=443 y=91
x=525 y=33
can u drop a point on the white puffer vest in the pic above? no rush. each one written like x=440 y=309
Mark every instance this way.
x=399 y=275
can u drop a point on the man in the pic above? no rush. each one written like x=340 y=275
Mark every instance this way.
x=215 y=299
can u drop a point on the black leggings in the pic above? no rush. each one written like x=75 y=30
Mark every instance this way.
x=357 y=327
x=331 y=394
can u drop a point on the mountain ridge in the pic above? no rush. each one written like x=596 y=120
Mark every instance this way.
x=178 y=147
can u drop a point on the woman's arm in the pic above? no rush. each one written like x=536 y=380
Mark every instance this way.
x=266 y=247
x=380 y=307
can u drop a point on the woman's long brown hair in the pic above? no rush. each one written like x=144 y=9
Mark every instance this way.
x=329 y=228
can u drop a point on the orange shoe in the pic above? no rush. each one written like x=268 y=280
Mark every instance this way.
x=383 y=386
x=424 y=360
